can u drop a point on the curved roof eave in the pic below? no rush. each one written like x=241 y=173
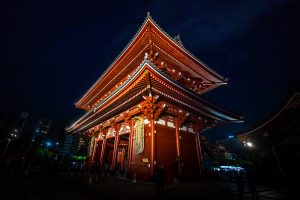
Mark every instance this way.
x=265 y=124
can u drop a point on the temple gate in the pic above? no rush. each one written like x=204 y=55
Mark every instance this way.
x=146 y=108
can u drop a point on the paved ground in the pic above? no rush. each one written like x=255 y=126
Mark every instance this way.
x=67 y=187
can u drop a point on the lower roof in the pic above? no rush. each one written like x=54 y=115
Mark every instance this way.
x=132 y=90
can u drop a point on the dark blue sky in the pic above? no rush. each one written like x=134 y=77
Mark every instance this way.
x=52 y=52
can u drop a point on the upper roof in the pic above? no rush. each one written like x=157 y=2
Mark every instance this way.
x=150 y=36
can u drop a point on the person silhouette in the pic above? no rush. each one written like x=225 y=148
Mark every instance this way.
x=239 y=177
x=177 y=162
x=251 y=182
x=93 y=172
x=160 y=179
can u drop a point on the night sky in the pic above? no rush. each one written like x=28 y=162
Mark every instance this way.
x=52 y=52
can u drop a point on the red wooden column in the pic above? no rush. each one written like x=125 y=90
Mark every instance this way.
x=197 y=126
x=178 y=145
x=116 y=146
x=130 y=146
x=200 y=152
x=103 y=151
x=152 y=148
x=198 y=146
x=94 y=148
x=123 y=158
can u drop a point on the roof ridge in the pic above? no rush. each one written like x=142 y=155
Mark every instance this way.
x=178 y=40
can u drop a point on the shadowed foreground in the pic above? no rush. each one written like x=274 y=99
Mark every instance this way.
x=65 y=186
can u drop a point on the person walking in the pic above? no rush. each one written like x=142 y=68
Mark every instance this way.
x=240 y=183
x=98 y=172
x=160 y=179
x=177 y=163
x=118 y=168
x=251 y=182
x=93 y=173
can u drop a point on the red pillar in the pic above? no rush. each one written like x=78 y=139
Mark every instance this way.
x=122 y=159
x=94 y=149
x=178 y=145
x=116 y=146
x=130 y=146
x=103 y=151
x=152 y=149
x=199 y=155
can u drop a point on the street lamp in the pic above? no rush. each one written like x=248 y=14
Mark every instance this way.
x=249 y=144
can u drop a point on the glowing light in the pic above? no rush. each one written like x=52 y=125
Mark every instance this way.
x=229 y=168
x=146 y=56
x=78 y=158
x=249 y=144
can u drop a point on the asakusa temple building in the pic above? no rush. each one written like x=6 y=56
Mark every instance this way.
x=146 y=108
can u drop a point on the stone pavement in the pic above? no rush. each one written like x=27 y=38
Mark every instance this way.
x=65 y=186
